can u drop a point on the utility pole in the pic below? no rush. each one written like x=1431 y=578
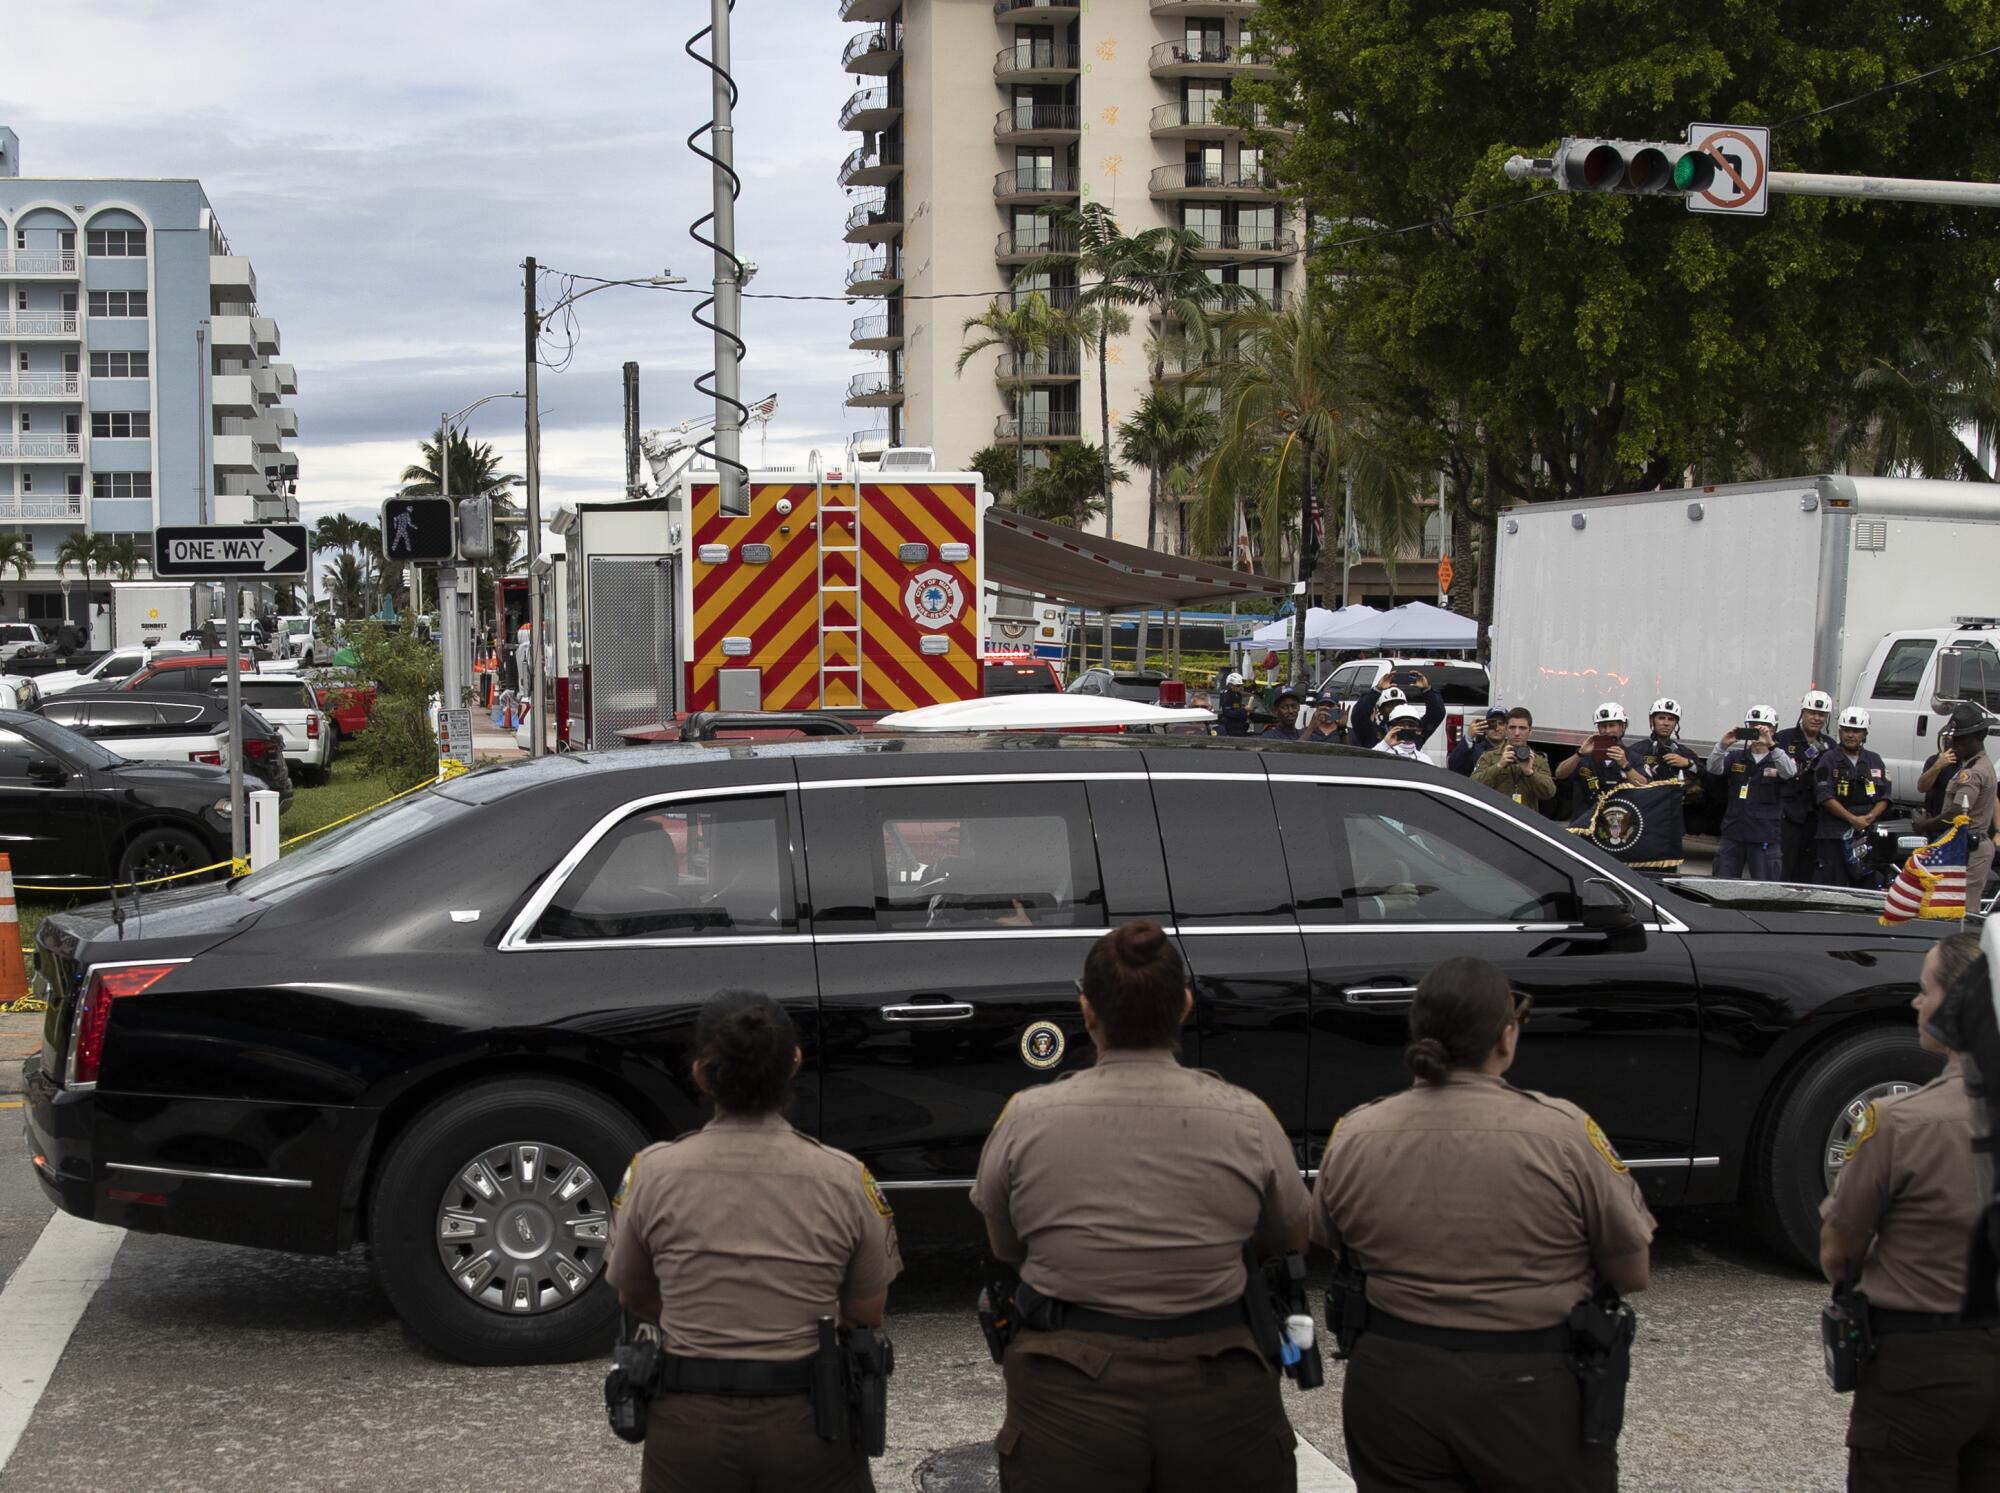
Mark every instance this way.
x=1347 y=539
x=197 y=613
x=538 y=731
x=728 y=285
x=454 y=682
x=631 y=430
x=239 y=830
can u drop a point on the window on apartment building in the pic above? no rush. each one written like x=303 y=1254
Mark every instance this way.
x=1257 y=227
x=73 y=484
x=117 y=425
x=121 y=484
x=1204 y=218
x=118 y=303
x=115 y=243
x=20 y=238
x=118 y=365
x=1250 y=164
x=1201 y=100
x=27 y=482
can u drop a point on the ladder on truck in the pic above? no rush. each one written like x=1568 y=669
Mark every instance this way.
x=840 y=596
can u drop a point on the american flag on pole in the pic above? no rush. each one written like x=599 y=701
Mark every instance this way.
x=1932 y=881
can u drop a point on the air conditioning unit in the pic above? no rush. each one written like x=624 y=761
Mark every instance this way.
x=909 y=459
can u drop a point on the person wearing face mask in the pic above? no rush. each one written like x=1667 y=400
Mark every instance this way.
x=1805 y=743
x=1663 y=755
x=1515 y=768
x=1404 y=734
x=1895 y=1229
x=1851 y=787
x=1753 y=769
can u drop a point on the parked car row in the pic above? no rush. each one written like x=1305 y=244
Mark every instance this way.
x=178 y=727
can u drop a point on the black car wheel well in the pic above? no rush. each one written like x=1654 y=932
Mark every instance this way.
x=125 y=835
x=405 y=1107
x=1796 y=1067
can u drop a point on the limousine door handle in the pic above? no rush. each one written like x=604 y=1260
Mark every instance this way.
x=929 y=1011
x=1379 y=995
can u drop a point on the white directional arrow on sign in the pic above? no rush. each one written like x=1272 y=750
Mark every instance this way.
x=274 y=549
x=219 y=551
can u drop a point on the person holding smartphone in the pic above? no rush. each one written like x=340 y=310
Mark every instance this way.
x=1513 y=767
x=1370 y=718
x=1754 y=770
x=1481 y=737
x=1602 y=763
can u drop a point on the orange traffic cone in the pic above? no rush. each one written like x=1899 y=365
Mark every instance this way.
x=507 y=711
x=13 y=968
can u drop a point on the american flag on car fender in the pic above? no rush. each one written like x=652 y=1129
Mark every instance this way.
x=1932 y=881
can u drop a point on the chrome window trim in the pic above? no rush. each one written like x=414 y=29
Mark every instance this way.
x=961 y=778
x=691 y=941
x=249 y=1179
x=1634 y=1163
x=961 y=935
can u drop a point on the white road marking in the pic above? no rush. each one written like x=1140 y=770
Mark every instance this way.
x=1319 y=1473
x=42 y=1303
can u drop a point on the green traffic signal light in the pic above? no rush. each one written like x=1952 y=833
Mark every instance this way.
x=1694 y=172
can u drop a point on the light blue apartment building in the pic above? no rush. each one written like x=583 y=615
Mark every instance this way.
x=138 y=384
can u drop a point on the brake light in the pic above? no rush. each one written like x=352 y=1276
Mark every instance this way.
x=213 y=759
x=1454 y=727
x=312 y=725
x=257 y=749
x=93 y=1013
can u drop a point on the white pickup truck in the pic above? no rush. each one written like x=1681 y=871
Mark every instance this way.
x=288 y=703
x=111 y=668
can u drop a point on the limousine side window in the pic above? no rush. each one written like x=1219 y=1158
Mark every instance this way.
x=985 y=856
x=706 y=868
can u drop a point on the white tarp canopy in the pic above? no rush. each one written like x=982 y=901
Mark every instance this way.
x=1415 y=625
x=1321 y=624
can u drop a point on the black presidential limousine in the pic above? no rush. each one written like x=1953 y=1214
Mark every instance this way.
x=444 y=1030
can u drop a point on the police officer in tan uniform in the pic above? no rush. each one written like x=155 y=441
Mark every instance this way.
x=736 y=1239
x=1927 y=1408
x=1125 y=1195
x=1481 y=1215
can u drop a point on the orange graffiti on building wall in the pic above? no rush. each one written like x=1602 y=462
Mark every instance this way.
x=1111 y=164
x=1111 y=114
x=1108 y=48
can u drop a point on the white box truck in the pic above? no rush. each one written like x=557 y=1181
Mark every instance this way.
x=149 y=612
x=1882 y=591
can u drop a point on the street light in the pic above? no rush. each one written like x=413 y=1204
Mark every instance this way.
x=537 y=743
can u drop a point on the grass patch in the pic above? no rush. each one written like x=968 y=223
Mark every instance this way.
x=349 y=791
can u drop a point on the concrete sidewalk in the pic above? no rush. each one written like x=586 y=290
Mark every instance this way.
x=20 y=1036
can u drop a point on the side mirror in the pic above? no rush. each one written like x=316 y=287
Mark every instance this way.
x=47 y=770
x=1604 y=908
x=1946 y=693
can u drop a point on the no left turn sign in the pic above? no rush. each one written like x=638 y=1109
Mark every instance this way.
x=1742 y=157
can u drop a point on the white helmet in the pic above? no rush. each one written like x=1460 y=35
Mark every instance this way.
x=1393 y=695
x=1854 y=718
x=1412 y=713
x=1763 y=715
x=1662 y=706
x=1817 y=699
x=1611 y=710
x=1233 y=678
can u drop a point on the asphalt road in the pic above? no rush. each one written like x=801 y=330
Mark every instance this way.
x=202 y=1366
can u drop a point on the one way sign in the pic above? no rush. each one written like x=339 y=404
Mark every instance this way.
x=216 y=552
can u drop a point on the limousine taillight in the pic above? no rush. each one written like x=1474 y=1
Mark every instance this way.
x=93 y=1013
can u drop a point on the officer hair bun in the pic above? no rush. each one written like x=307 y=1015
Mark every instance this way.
x=744 y=1043
x=1137 y=986
x=1461 y=1008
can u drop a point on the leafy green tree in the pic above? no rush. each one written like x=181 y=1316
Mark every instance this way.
x=1023 y=332
x=347 y=586
x=17 y=553
x=1168 y=435
x=121 y=556
x=1914 y=412
x=995 y=465
x=1071 y=488
x=89 y=553
x=399 y=744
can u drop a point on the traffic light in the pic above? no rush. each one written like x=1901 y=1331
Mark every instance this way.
x=418 y=530
x=1641 y=168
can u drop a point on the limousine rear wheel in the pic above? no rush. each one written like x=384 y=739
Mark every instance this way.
x=1800 y=1151
x=490 y=1218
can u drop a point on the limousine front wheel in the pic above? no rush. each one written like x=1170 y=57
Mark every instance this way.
x=490 y=1219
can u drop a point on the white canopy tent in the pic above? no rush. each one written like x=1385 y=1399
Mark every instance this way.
x=1321 y=625
x=1416 y=625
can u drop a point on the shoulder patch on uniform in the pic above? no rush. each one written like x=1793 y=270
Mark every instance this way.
x=1601 y=1143
x=624 y=1183
x=1864 y=1131
x=875 y=1198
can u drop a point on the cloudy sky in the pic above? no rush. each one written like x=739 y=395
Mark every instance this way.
x=386 y=167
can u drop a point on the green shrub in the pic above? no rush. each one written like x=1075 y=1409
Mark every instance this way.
x=399 y=744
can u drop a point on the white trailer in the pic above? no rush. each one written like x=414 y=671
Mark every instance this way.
x=147 y=612
x=1882 y=591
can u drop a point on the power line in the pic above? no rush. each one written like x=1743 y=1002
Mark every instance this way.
x=1942 y=67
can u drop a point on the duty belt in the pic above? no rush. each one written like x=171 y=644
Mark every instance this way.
x=1042 y=1313
x=1882 y=1319
x=1467 y=1340
x=738 y=1377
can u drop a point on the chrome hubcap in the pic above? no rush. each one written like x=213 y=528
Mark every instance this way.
x=522 y=1228
x=1848 y=1123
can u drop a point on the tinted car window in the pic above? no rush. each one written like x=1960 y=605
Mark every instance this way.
x=1020 y=679
x=64 y=712
x=16 y=752
x=123 y=715
x=1903 y=670
x=275 y=694
x=166 y=680
x=969 y=855
x=1413 y=858
x=1224 y=861
x=682 y=870
x=1460 y=684
x=59 y=741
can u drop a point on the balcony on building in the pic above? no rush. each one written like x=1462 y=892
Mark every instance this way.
x=231 y=336
x=37 y=445
x=265 y=332
x=873 y=53
x=38 y=264
x=874 y=219
x=236 y=394
x=32 y=326
x=871 y=443
x=1210 y=118
x=287 y=377
x=877 y=389
x=876 y=274
x=1033 y=10
x=873 y=168
x=1058 y=365
x=231 y=281
x=1036 y=184
x=286 y=419
x=1025 y=245
x=1039 y=425
x=1184 y=59
x=234 y=453
x=883 y=333
x=1031 y=61
x=1036 y=124
x=869 y=10
x=1198 y=180
x=27 y=388
x=53 y=505
x=1233 y=243
x=1203 y=7
x=870 y=109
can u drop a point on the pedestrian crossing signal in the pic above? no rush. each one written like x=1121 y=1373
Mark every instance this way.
x=418 y=531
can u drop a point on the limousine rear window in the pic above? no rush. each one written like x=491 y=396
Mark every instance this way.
x=968 y=856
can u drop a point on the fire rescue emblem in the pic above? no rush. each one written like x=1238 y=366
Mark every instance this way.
x=1042 y=1044
x=934 y=598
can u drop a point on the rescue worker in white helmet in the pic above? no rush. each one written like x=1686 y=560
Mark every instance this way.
x=1232 y=715
x=1602 y=763
x=1851 y=787
x=1805 y=743
x=1754 y=770
x=1663 y=754
x=1405 y=733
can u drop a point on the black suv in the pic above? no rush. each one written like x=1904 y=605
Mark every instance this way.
x=445 y=1029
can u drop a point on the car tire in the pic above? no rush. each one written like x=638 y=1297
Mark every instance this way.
x=1787 y=1177
x=163 y=851
x=421 y=1191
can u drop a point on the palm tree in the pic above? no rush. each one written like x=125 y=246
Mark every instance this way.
x=1089 y=241
x=121 y=556
x=17 y=552
x=1024 y=333
x=475 y=470
x=347 y=585
x=995 y=465
x=1169 y=434
x=1071 y=488
x=1912 y=413
x=87 y=552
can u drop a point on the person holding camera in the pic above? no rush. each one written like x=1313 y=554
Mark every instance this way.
x=1805 y=743
x=1754 y=770
x=735 y=1240
x=1908 y=1198
x=1404 y=734
x=1481 y=736
x=1602 y=763
x=1474 y=1223
x=1515 y=768
x=1369 y=720
x=1851 y=787
x=1322 y=724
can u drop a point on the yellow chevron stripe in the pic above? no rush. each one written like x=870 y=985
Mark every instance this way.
x=921 y=667
x=784 y=552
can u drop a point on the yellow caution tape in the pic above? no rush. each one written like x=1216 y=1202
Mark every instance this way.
x=23 y=1006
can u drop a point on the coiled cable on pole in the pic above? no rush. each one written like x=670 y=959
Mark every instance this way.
x=701 y=231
